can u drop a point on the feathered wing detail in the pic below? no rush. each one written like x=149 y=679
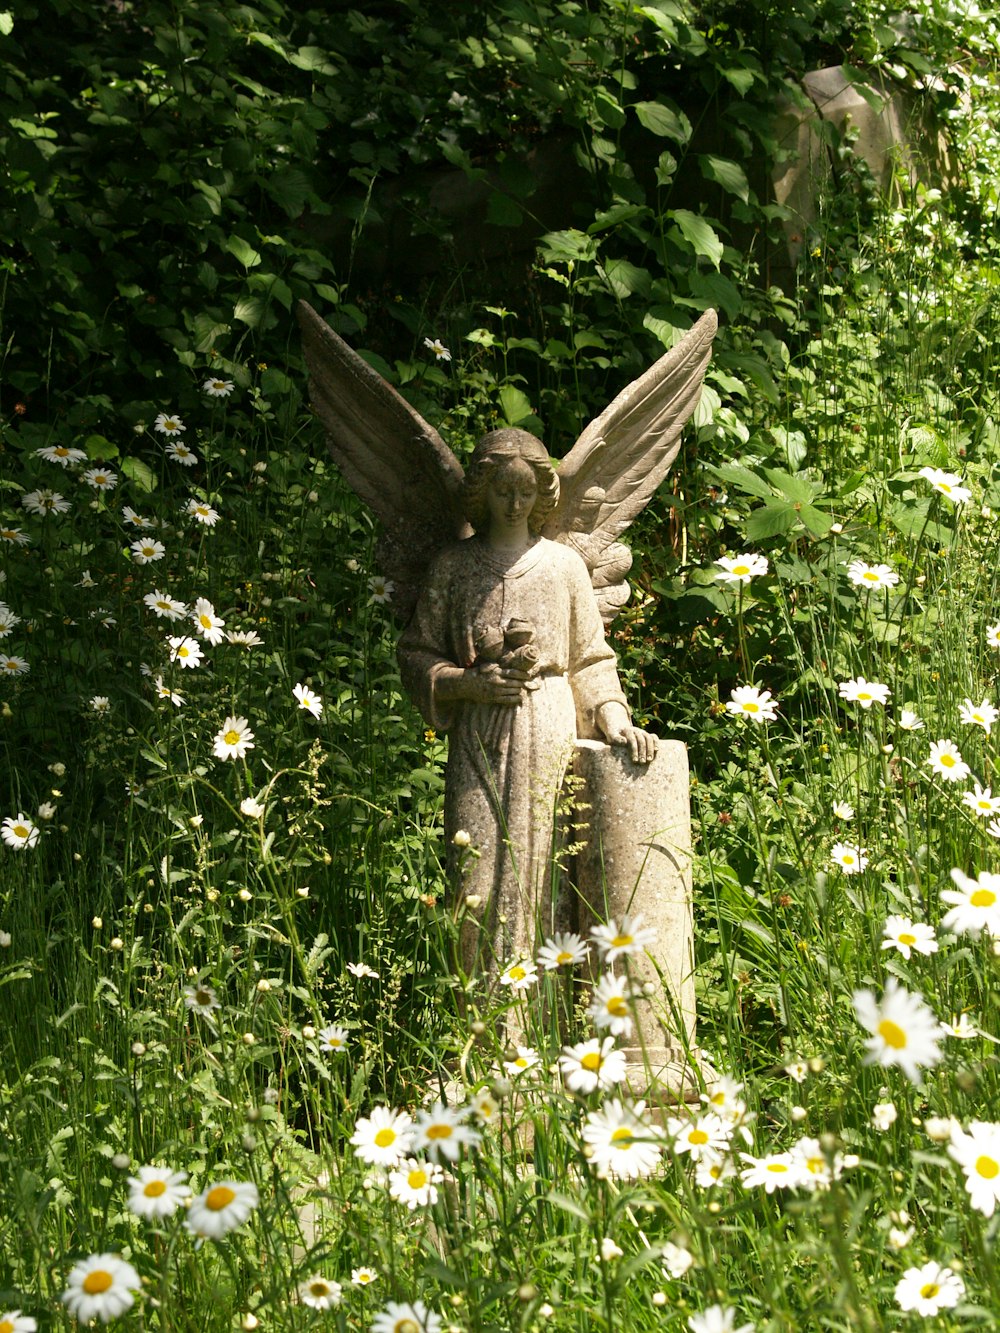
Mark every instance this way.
x=390 y=456
x=616 y=465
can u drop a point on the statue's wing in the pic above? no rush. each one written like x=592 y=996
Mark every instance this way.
x=621 y=458
x=390 y=456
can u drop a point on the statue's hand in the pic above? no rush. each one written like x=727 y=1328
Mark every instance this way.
x=493 y=685
x=617 y=729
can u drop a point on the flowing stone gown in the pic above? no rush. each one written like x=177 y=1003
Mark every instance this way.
x=506 y=763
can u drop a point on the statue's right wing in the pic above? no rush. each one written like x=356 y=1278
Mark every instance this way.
x=391 y=457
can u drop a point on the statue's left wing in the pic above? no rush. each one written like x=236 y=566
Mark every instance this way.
x=621 y=458
x=391 y=457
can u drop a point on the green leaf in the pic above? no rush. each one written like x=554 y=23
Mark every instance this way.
x=250 y=310
x=796 y=489
x=312 y=58
x=742 y=478
x=140 y=473
x=775 y=517
x=740 y=78
x=99 y=447
x=608 y=109
x=664 y=121
x=626 y=279
x=514 y=405
x=814 y=521
x=6 y=23
x=726 y=173
x=243 y=251
x=698 y=234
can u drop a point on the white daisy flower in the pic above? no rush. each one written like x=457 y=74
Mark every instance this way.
x=415 y=1318
x=620 y=1142
x=380 y=590
x=484 y=1106
x=961 y=1027
x=749 y=701
x=871 y=577
x=593 y=1064
x=982 y=802
x=244 y=638
x=884 y=1116
x=609 y=1005
x=740 y=568
x=363 y=1277
x=704 y=1136
x=774 y=1171
x=218 y=388
x=164 y=606
x=185 y=650
x=816 y=1169
x=851 y=858
x=18 y=832
x=677 y=1259
x=562 y=950
x=904 y=1030
x=947 y=762
x=100 y=1287
x=361 y=970
x=993 y=635
x=201 y=999
x=209 y=625
x=436 y=346
x=717 y=1319
x=319 y=1293
x=929 y=1290
x=843 y=810
x=137 y=520
x=947 y=484
x=909 y=721
x=13 y=1321
x=863 y=692
x=908 y=936
x=235 y=739
x=723 y=1097
x=178 y=452
x=415 y=1183
x=13 y=536
x=384 y=1138
x=169 y=424
x=974 y=904
x=978 y=715
x=146 y=550
x=202 y=513
x=251 y=807
x=221 y=1208
x=525 y=1059
x=631 y=937
x=101 y=478
x=165 y=692
x=13 y=665
x=157 y=1191
x=332 y=1039
x=61 y=454
x=440 y=1131
x=977 y=1152
x=8 y=620
x=520 y=975
x=44 y=501
x=308 y=700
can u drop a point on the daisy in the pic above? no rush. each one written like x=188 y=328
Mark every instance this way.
x=146 y=550
x=381 y=589
x=975 y=904
x=740 y=568
x=137 y=520
x=774 y=1171
x=13 y=1321
x=723 y=1096
x=903 y=1029
x=251 y=808
x=164 y=606
x=609 y=1005
x=185 y=650
x=525 y=1059
x=319 y=1293
x=100 y=703
x=202 y=513
x=436 y=346
x=909 y=721
x=201 y=999
x=384 y=1138
x=165 y=692
x=748 y=701
x=717 y=1319
x=993 y=636
x=562 y=950
x=8 y=620
x=947 y=762
x=816 y=1169
x=307 y=700
x=14 y=536
x=797 y=1070
x=929 y=1289
x=484 y=1106
x=234 y=740
x=947 y=484
x=843 y=810
x=415 y=1183
x=361 y=970
x=101 y=478
x=712 y=1171
x=156 y=1191
x=180 y=453
x=100 y=1287
x=631 y=937
x=218 y=388
x=978 y=715
x=982 y=801
x=415 y=1318
x=977 y=1152
x=245 y=638
x=884 y=1116
x=12 y=665
x=593 y=1064
x=44 y=501
x=705 y=1136
x=18 y=832
x=851 y=858
x=61 y=454
x=221 y=1208
x=439 y=1131
x=168 y=424
x=363 y=1277
x=863 y=692
x=207 y=623
x=677 y=1259
x=520 y=975
x=908 y=936
x=332 y=1039
x=961 y=1027
x=621 y=1143
x=871 y=577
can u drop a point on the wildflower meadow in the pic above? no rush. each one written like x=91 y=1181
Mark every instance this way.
x=244 y=1083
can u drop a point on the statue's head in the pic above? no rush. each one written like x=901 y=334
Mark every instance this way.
x=501 y=449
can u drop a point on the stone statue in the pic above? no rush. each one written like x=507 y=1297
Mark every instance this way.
x=505 y=578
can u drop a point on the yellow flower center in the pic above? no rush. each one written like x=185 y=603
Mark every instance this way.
x=10 y=664
x=929 y=1290
x=947 y=761
x=987 y=1167
x=751 y=707
x=622 y=1137
x=870 y=575
x=563 y=957
x=170 y=425
x=862 y=694
x=221 y=1196
x=848 y=858
x=943 y=485
x=20 y=831
x=205 y=622
x=153 y=1190
x=319 y=1288
x=406 y=1325
x=697 y=1136
x=777 y=1168
x=892 y=1034
x=231 y=737
x=203 y=997
x=617 y=1007
x=6 y=1326
x=906 y=938
x=622 y=941
x=983 y=898
x=97 y=1281
x=385 y=1138
x=439 y=1131
x=592 y=1061
x=417 y=1180
x=517 y=974
x=741 y=569
x=815 y=1165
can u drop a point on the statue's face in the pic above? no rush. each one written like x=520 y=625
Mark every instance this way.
x=511 y=495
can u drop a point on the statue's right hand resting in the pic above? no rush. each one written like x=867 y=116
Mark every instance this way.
x=488 y=684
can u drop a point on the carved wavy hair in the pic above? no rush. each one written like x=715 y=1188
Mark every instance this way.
x=490 y=456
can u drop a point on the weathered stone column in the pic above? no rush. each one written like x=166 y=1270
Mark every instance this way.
x=637 y=859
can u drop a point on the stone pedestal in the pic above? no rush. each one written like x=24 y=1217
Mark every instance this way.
x=637 y=858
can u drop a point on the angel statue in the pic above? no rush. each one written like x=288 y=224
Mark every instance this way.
x=505 y=579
